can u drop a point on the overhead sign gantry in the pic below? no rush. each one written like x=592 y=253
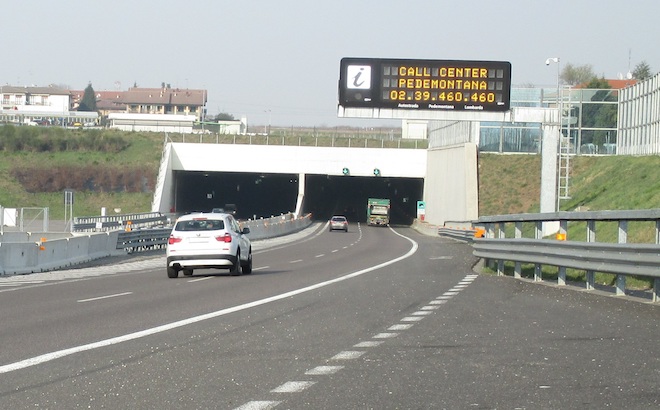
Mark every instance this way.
x=399 y=88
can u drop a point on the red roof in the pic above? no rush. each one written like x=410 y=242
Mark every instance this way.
x=614 y=84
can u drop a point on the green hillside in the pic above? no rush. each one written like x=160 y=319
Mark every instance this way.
x=511 y=183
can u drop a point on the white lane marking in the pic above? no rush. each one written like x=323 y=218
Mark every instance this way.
x=104 y=297
x=33 y=361
x=336 y=250
x=440 y=257
x=461 y=286
x=198 y=279
x=323 y=370
x=450 y=293
x=371 y=343
x=292 y=387
x=319 y=256
x=260 y=268
x=347 y=355
x=430 y=307
x=259 y=405
x=412 y=319
x=21 y=282
x=388 y=335
x=438 y=302
x=400 y=327
x=422 y=313
x=296 y=261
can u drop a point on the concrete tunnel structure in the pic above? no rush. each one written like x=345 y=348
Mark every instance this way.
x=265 y=180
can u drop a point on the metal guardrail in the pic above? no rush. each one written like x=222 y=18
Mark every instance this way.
x=115 y=222
x=461 y=234
x=622 y=259
x=626 y=258
x=142 y=240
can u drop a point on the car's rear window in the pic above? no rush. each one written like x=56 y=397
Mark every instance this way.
x=200 y=225
x=338 y=219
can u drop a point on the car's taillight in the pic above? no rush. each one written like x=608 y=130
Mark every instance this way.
x=173 y=239
x=226 y=238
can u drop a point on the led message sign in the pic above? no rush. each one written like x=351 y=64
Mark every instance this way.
x=445 y=85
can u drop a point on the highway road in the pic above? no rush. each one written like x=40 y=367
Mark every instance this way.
x=376 y=318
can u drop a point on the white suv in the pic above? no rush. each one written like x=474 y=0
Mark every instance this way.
x=208 y=241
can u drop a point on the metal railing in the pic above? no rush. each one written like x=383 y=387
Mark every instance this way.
x=116 y=222
x=622 y=259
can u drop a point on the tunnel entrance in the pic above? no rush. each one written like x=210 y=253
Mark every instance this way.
x=253 y=194
x=257 y=195
x=345 y=195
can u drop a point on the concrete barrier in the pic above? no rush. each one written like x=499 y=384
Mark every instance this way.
x=276 y=226
x=47 y=254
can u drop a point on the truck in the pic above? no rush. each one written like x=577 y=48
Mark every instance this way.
x=378 y=211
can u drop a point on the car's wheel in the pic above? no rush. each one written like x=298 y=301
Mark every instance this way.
x=172 y=273
x=237 y=269
x=247 y=267
x=187 y=272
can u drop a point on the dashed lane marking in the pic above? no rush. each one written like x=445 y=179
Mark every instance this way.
x=293 y=387
x=323 y=370
x=297 y=386
x=347 y=355
x=259 y=405
x=104 y=297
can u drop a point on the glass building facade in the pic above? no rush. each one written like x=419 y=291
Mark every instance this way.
x=589 y=118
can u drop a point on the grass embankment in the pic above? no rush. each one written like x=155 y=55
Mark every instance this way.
x=511 y=184
x=104 y=168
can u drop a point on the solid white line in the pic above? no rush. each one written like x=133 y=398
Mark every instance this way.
x=104 y=297
x=260 y=268
x=197 y=280
x=21 y=282
x=169 y=326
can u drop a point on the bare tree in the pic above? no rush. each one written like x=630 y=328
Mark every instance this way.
x=574 y=75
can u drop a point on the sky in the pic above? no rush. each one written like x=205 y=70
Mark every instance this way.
x=277 y=62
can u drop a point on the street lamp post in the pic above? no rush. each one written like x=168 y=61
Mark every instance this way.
x=269 y=120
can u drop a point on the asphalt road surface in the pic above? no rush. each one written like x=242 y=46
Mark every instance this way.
x=375 y=318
